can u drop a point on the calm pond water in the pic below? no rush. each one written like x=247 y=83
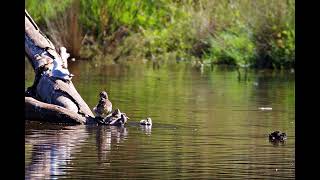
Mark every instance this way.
x=207 y=125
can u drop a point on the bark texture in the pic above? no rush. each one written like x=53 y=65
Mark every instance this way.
x=50 y=98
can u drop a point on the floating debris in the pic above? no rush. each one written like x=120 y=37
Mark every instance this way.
x=265 y=108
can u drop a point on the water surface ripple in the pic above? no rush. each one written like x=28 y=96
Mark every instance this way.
x=207 y=125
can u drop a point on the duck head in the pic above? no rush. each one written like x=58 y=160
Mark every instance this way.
x=116 y=113
x=103 y=94
x=102 y=101
x=148 y=121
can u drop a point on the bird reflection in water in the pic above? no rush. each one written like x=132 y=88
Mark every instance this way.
x=146 y=129
x=277 y=143
x=51 y=151
x=108 y=137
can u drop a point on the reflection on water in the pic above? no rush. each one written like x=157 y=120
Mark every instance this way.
x=54 y=149
x=206 y=124
x=146 y=129
x=51 y=151
x=105 y=137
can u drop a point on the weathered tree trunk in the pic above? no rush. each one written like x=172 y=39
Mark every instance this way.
x=51 y=98
x=40 y=111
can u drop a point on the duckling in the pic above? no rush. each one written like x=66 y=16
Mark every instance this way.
x=277 y=135
x=116 y=113
x=112 y=116
x=104 y=107
x=125 y=115
x=147 y=122
x=123 y=118
x=117 y=121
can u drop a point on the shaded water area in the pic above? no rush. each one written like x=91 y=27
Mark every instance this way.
x=206 y=125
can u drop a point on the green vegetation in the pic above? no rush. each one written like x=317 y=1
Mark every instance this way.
x=40 y=10
x=237 y=32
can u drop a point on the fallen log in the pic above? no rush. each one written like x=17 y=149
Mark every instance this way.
x=52 y=97
x=40 y=111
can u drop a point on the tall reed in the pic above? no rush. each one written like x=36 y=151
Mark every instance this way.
x=65 y=30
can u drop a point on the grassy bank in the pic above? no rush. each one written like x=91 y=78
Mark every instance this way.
x=239 y=32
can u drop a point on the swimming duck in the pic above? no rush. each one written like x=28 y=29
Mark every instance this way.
x=147 y=122
x=277 y=135
x=104 y=107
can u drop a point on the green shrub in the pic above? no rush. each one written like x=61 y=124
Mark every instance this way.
x=239 y=32
x=283 y=49
x=232 y=48
x=45 y=9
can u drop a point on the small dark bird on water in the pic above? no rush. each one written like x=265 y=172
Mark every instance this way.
x=104 y=107
x=277 y=136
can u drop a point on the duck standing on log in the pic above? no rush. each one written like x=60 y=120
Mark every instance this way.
x=104 y=106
